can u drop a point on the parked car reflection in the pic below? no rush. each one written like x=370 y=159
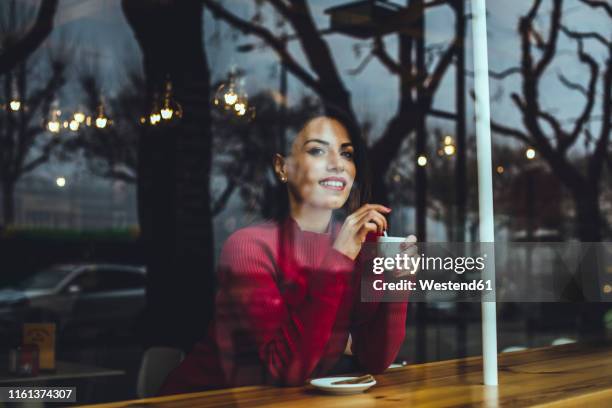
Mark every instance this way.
x=82 y=299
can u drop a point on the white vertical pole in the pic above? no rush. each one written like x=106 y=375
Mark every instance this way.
x=485 y=182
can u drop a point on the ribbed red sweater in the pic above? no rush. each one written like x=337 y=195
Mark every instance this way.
x=286 y=304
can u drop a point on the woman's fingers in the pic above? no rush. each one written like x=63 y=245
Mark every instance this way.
x=368 y=207
x=375 y=217
x=367 y=228
x=409 y=242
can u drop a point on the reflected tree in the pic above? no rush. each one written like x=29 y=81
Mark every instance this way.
x=22 y=42
x=545 y=131
x=320 y=72
x=174 y=165
x=112 y=152
x=244 y=152
x=29 y=87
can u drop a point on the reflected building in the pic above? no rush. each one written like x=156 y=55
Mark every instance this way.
x=87 y=204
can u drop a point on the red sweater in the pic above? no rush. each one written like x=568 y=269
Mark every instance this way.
x=286 y=304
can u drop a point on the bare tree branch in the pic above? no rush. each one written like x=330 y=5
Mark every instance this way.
x=42 y=158
x=590 y=97
x=433 y=81
x=554 y=123
x=362 y=65
x=121 y=175
x=551 y=44
x=498 y=74
x=277 y=44
x=220 y=203
x=588 y=35
x=381 y=53
x=320 y=59
x=282 y=7
x=508 y=131
x=572 y=85
x=22 y=48
x=599 y=3
x=601 y=149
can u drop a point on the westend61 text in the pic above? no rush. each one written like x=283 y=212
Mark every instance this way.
x=404 y=284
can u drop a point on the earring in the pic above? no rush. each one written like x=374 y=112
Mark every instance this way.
x=284 y=179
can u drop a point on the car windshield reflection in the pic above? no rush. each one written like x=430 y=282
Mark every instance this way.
x=46 y=279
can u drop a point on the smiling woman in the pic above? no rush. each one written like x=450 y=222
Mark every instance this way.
x=288 y=299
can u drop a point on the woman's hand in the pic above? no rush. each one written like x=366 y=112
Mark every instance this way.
x=408 y=247
x=368 y=218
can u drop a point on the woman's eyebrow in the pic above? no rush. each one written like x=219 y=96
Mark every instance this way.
x=316 y=140
x=323 y=142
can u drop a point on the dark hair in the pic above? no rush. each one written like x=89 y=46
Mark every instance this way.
x=361 y=190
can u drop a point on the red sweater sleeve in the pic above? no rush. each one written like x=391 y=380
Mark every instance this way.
x=379 y=329
x=290 y=339
x=377 y=341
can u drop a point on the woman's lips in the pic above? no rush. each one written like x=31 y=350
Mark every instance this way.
x=333 y=183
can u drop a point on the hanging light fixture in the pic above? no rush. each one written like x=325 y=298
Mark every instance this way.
x=79 y=116
x=231 y=100
x=15 y=105
x=74 y=125
x=54 y=125
x=155 y=116
x=229 y=94
x=171 y=108
x=101 y=119
x=449 y=148
x=226 y=95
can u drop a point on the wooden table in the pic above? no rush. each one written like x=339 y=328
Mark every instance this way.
x=564 y=376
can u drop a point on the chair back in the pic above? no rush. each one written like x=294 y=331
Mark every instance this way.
x=157 y=363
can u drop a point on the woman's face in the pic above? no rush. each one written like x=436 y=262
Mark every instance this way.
x=321 y=170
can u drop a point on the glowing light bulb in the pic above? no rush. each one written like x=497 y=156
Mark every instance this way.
x=449 y=150
x=166 y=113
x=15 y=105
x=79 y=117
x=60 y=182
x=422 y=161
x=448 y=140
x=53 y=126
x=230 y=97
x=240 y=108
x=530 y=153
x=155 y=118
x=101 y=122
x=88 y=121
x=74 y=125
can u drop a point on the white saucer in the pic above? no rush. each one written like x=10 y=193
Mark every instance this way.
x=325 y=384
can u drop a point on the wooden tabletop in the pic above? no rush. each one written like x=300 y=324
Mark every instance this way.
x=562 y=376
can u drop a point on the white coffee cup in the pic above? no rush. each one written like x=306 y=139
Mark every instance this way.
x=389 y=246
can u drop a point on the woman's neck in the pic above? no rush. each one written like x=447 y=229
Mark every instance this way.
x=311 y=218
